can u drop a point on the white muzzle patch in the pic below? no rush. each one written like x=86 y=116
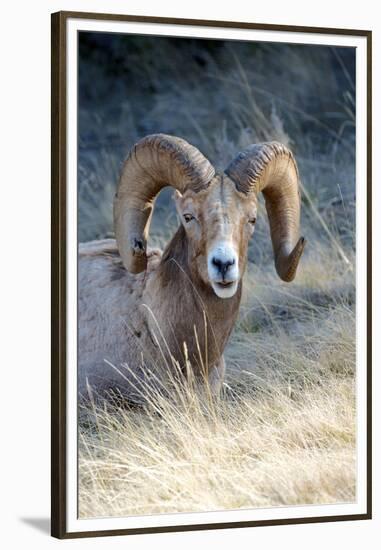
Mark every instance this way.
x=223 y=269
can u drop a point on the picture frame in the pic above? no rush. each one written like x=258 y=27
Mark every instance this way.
x=64 y=477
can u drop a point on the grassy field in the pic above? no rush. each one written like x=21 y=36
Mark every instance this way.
x=283 y=431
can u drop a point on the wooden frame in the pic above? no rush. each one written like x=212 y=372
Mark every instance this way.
x=59 y=318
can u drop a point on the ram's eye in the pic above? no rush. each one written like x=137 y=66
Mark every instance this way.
x=252 y=220
x=188 y=218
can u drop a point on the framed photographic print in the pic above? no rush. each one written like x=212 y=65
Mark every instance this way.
x=211 y=296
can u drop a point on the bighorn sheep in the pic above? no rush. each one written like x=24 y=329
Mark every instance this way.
x=142 y=311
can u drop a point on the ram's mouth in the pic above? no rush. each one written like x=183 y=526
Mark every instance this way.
x=225 y=284
x=225 y=289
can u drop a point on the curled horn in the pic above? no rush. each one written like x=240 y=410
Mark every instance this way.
x=154 y=162
x=271 y=168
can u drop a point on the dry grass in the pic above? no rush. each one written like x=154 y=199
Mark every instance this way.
x=282 y=433
x=269 y=449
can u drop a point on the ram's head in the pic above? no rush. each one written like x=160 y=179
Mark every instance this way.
x=218 y=211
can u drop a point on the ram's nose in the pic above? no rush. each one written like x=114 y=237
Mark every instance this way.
x=223 y=265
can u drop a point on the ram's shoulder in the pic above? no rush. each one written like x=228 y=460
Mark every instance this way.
x=97 y=248
x=104 y=255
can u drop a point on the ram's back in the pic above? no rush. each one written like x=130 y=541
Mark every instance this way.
x=109 y=314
